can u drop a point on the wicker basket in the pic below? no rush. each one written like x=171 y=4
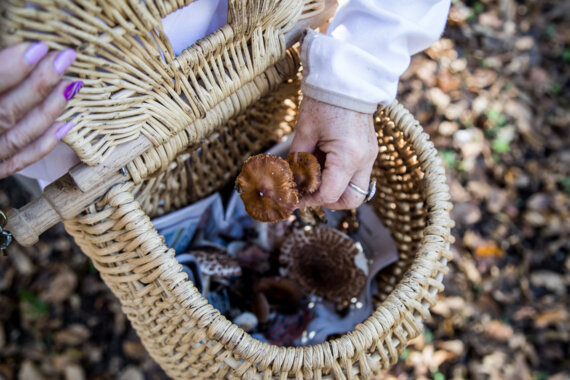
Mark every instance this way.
x=244 y=92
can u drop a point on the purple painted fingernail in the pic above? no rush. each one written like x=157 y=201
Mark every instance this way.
x=72 y=89
x=35 y=52
x=63 y=130
x=64 y=60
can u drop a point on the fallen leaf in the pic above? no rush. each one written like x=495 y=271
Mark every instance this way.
x=60 y=287
x=134 y=349
x=74 y=335
x=549 y=280
x=29 y=371
x=524 y=43
x=551 y=317
x=489 y=250
x=74 y=372
x=499 y=331
x=455 y=347
x=131 y=373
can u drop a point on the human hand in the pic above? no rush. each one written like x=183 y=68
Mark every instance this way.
x=350 y=146
x=32 y=96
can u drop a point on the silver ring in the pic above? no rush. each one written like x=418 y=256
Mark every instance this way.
x=368 y=194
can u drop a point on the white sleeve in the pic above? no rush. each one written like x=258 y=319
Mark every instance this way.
x=368 y=45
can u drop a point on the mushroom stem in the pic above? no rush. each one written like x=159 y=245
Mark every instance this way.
x=205 y=285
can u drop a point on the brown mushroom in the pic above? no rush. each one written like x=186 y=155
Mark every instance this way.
x=325 y=262
x=253 y=257
x=281 y=293
x=260 y=307
x=313 y=216
x=215 y=264
x=267 y=189
x=306 y=171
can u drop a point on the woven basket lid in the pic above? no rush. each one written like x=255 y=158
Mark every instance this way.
x=134 y=83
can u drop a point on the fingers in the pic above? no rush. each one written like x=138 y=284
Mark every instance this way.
x=38 y=120
x=352 y=198
x=34 y=151
x=346 y=161
x=347 y=140
x=17 y=102
x=18 y=61
x=335 y=192
x=334 y=180
x=32 y=96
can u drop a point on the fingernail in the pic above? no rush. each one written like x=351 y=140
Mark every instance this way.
x=63 y=130
x=72 y=89
x=35 y=52
x=64 y=60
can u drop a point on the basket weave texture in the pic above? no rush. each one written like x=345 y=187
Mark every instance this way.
x=203 y=124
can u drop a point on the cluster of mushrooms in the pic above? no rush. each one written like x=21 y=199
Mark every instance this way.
x=271 y=187
x=267 y=281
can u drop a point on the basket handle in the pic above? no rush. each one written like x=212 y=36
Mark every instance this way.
x=69 y=195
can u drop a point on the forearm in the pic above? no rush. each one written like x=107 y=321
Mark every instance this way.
x=368 y=45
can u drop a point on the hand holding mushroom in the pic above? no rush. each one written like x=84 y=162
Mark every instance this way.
x=272 y=188
x=348 y=141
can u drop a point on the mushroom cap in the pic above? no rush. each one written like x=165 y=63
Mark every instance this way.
x=281 y=292
x=252 y=256
x=267 y=188
x=216 y=263
x=325 y=262
x=306 y=171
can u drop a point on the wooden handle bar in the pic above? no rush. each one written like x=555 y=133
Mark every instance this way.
x=60 y=200
x=69 y=195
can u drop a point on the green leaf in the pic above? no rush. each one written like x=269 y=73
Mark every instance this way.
x=500 y=146
x=478 y=7
x=438 y=375
x=496 y=117
x=566 y=55
x=507 y=86
x=404 y=355
x=36 y=307
x=565 y=182
x=555 y=88
x=428 y=335
x=449 y=158
x=550 y=30
x=92 y=268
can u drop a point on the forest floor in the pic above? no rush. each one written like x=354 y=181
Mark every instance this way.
x=494 y=96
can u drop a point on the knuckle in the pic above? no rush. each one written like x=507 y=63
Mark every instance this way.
x=10 y=167
x=329 y=198
x=10 y=143
x=43 y=83
x=373 y=152
x=355 y=152
x=46 y=144
x=50 y=111
x=7 y=117
x=353 y=203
